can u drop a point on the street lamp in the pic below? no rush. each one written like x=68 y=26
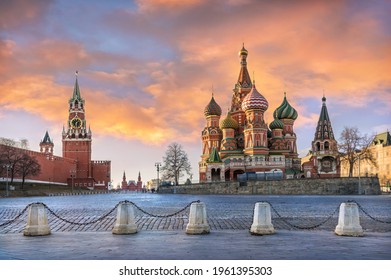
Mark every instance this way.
x=7 y=167
x=359 y=177
x=157 y=164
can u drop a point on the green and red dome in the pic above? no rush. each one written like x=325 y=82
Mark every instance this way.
x=276 y=124
x=212 y=109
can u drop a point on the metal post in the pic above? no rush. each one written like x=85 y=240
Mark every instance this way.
x=359 y=177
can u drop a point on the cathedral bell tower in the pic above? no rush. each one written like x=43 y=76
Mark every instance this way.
x=325 y=147
x=76 y=138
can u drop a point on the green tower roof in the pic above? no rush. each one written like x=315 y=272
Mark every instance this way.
x=214 y=156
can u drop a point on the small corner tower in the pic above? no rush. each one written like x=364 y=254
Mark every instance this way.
x=46 y=145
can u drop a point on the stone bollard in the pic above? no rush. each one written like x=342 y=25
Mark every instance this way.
x=262 y=221
x=37 y=221
x=125 y=223
x=198 y=222
x=349 y=220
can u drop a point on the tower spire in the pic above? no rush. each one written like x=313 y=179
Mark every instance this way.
x=324 y=129
x=76 y=89
x=244 y=80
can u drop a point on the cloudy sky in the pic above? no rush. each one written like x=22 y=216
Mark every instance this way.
x=147 y=69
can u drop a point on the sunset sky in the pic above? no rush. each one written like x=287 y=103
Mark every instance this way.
x=147 y=68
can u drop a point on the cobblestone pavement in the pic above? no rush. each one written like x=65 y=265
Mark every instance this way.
x=218 y=245
x=224 y=212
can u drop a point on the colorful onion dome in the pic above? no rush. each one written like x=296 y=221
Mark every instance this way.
x=285 y=111
x=212 y=108
x=243 y=51
x=254 y=100
x=228 y=122
x=276 y=124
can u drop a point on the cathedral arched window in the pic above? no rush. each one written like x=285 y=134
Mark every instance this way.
x=326 y=145
x=317 y=146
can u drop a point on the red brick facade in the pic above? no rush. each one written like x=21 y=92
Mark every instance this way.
x=75 y=167
x=132 y=185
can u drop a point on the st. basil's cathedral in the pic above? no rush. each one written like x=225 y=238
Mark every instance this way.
x=242 y=142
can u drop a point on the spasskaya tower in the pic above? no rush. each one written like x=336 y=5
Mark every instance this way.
x=77 y=145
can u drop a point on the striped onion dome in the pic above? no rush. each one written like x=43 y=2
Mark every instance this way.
x=254 y=100
x=285 y=111
x=212 y=109
x=228 y=122
x=276 y=124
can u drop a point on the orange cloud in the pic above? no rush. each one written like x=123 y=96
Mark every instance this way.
x=302 y=47
x=174 y=5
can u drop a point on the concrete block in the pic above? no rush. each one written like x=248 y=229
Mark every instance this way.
x=262 y=221
x=37 y=221
x=349 y=220
x=125 y=222
x=198 y=221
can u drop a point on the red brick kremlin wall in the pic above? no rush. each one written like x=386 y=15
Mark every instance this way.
x=53 y=168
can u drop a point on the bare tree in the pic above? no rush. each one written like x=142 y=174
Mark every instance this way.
x=28 y=166
x=10 y=155
x=353 y=147
x=175 y=163
x=19 y=162
x=24 y=143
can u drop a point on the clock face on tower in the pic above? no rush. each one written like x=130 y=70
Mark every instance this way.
x=76 y=122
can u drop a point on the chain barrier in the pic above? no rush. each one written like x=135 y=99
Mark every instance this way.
x=77 y=223
x=98 y=219
x=367 y=214
x=300 y=227
x=18 y=216
x=159 y=216
x=283 y=219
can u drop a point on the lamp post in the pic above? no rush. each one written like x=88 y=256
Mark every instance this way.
x=157 y=164
x=6 y=166
x=359 y=177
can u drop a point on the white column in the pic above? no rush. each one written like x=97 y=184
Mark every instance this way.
x=198 y=221
x=125 y=222
x=262 y=221
x=37 y=221
x=349 y=220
